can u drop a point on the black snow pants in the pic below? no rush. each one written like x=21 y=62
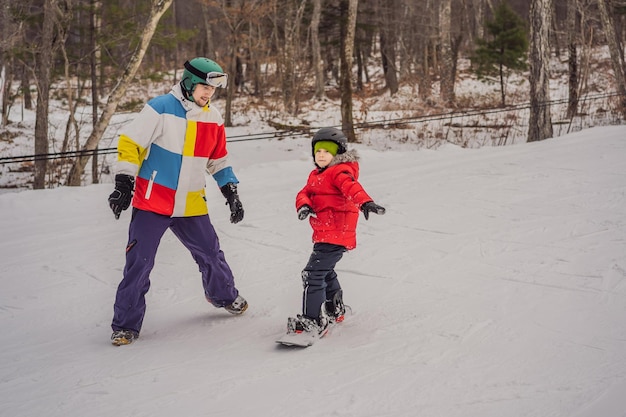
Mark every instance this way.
x=319 y=278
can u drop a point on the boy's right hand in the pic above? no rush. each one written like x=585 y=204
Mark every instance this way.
x=304 y=212
x=371 y=207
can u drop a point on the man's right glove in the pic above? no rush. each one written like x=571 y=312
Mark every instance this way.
x=371 y=207
x=122 y=196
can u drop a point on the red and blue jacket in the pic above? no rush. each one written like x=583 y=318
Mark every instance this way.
x=168 y=148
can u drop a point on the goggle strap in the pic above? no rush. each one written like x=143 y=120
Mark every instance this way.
x=195 y=71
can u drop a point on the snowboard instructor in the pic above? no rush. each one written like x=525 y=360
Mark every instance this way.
x=162 y=158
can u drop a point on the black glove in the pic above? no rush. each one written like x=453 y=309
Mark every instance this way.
x=232 y=200
x=120 y=198
x=371 y=207
x=304 y=212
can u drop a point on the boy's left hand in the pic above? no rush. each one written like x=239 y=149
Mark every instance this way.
x=371 y=207
x=304 y=212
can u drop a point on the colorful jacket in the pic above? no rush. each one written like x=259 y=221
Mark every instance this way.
x=168 y=147
x=335 y=195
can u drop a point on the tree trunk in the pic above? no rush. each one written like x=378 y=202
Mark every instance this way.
x=360 y=69
x=6 y=61
x=43 y=71
x=424 y=56
x=572 y=48
x=447 y=58
x=292 y=20
x=479 y=19
x=289 y=51
x=69 y=95
x=617 y=59
x=230 y=88
x=502 y=85
x=540 y=123
x=6 y=76
x=388 y=43
x=25 y=85
x=94 y=66
x=158 y=8
x=318 y=65
x=348 y=33
x=207 y=30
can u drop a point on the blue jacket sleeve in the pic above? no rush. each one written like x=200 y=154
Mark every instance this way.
x=224 y=176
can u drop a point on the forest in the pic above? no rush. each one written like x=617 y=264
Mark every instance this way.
x=290 y=52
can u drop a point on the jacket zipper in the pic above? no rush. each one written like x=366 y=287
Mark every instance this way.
x=150 y=183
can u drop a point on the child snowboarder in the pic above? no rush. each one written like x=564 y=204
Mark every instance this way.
x=332 y=197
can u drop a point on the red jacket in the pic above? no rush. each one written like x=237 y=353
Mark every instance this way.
x=335 y=195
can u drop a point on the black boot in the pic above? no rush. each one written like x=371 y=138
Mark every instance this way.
x=335 y=307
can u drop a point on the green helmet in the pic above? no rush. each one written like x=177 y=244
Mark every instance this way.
x=202 y=71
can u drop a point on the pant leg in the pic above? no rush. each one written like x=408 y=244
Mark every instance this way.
x=144 y=235
x=319 y=277
x=198 y=235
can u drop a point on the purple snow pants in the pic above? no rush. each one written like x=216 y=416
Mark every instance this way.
x=144 y=235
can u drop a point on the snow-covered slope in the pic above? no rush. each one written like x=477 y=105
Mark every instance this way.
x=494 y=286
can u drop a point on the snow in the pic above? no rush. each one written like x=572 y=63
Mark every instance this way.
x=494 y=286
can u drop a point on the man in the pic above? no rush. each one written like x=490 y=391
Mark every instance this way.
x=162 y=157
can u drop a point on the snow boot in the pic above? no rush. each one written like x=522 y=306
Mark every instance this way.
x=305 y=324
x=238 y=306
x=335 y=307
x=123 y=337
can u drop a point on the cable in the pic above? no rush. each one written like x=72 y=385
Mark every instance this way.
x=301 y=131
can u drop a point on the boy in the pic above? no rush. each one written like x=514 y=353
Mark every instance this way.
x=332 y=197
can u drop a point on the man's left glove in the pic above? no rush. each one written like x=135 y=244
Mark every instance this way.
x=121 y=197
x=232 y=200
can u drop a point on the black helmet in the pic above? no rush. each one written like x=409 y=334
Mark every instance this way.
x=333 y=135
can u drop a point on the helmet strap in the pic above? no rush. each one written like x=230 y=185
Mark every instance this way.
x=187 y=93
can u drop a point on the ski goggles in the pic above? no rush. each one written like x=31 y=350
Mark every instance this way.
x=213 y=78
x=217 y=79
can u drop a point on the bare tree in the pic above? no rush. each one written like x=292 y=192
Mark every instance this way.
x=54 y=11
x=349 y=10
x=206 y=19
x=540 y=123
x=479 y=18
x=8 y=39
x=237 y=17
x=572 y=61
x=425 y=49
x=157 y=9
x=617 y=56
x=388 y=42
x=292 y=11
x=447 y=58
x=94 y=67
x=318 y=67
